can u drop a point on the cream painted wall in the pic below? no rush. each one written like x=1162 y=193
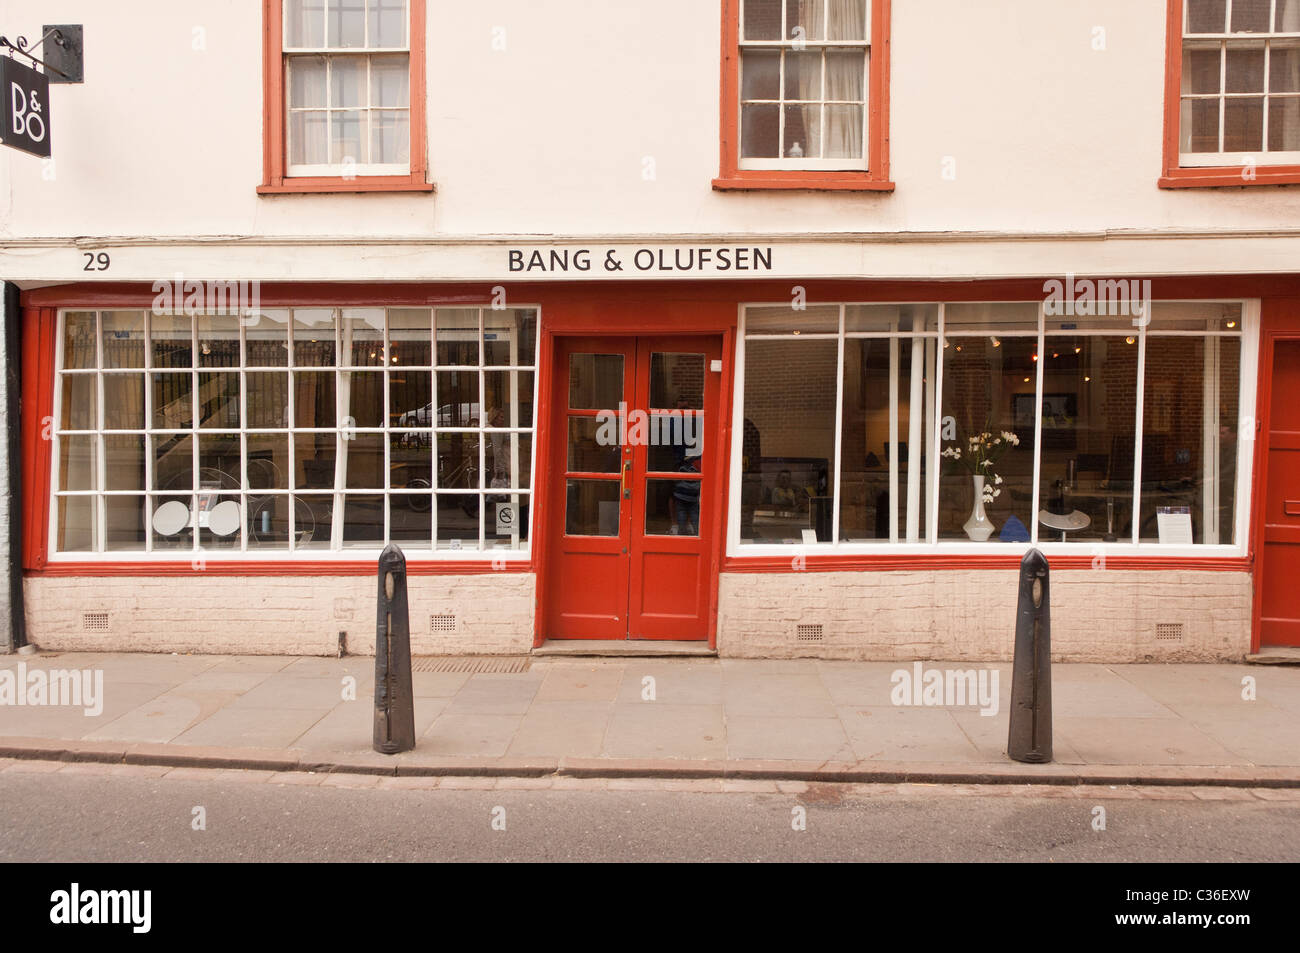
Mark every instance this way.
x=549 y=136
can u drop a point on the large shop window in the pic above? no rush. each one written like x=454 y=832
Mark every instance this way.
x=866 y=425
x=294 y=431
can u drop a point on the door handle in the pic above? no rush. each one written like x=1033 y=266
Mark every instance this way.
x=627 y=468
x=1291 y=507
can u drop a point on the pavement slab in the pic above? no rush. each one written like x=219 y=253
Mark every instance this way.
x=903 y=734
x=662 y=730
x=748 y=693
x=560 y=728
x=790 y=737
x=252 y=727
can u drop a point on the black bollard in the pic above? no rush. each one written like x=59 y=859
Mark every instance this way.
x=394 y=703
x=1030 y=736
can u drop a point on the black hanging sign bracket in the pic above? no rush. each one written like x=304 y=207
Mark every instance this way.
x=62 y=50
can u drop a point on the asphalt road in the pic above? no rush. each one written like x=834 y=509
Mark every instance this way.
x=83 y=818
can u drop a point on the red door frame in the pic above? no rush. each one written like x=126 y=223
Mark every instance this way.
x=1279 y=321
x=588 y=315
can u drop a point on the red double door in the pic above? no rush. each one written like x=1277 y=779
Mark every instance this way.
x=635 y=480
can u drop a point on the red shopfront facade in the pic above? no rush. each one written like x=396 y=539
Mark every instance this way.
x=701 y=460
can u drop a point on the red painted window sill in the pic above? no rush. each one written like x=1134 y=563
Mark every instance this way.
x=811 y=181
x=319 y=184
x=1228 y=177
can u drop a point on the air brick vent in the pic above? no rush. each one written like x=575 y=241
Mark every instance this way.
x=808 y=633
x=1169 y=632
x=94 y=622
x=442 y=623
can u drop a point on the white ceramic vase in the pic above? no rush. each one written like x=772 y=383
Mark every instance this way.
x=979 y=527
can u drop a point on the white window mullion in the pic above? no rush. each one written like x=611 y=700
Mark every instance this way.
x=780 y=112
x=148 y=427
x=342 y=412
x=822 y=108
x=1136 y=536
x=1223 y=82
x=483 y=481
x=436 y=476
x=1210 y=442
x=101 y=464
x=737 y=463
x=1268 y=46
x=915 y=401
x=1036 y=490
x=931 y=346
x=893 y=436
x=514 y=437
x=838 y=464
x=386 y=422
x=291 y=483
x=243 y=433
x=937 y=435
x=196 y=482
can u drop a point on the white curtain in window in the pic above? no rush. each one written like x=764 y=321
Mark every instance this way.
x=807 y=14
x=847 y=20
x=845 y=80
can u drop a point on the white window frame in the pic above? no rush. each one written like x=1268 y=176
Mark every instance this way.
x=290 y=552
x=1220 y=41
x=1246 y=409
x=806 y=163
x=329 y=54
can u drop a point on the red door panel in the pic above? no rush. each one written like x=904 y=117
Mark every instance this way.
x=636 y=468
x=588 y=575
x=677 y=486
x=1280 y=599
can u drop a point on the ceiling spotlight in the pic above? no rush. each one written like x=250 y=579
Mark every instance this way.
x=1130 y=339
x=1034 y=357
x=996 y=342
x=1078 y=350
x=1087 y=380
x=1055 y=354
x=1232 y=324
x=959 y=347
x=1026 y=380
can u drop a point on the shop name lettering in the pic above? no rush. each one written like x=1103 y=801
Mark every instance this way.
x=645 y=260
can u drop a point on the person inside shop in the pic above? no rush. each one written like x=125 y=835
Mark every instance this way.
x=686 y=500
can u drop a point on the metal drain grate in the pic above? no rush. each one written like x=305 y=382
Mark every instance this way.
x=1169 y=632
x=808 y=633
x=94 y=622
x=482 y=664
x=442 y=623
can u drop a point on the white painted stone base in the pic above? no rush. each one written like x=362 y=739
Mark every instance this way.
x=277 y=615
x=1097 y=615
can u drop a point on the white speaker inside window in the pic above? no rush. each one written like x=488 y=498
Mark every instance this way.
x=170 y=518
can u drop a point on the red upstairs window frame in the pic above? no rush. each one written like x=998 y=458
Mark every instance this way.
x=876 y=176
x=1177 y=176
x=275 y=178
